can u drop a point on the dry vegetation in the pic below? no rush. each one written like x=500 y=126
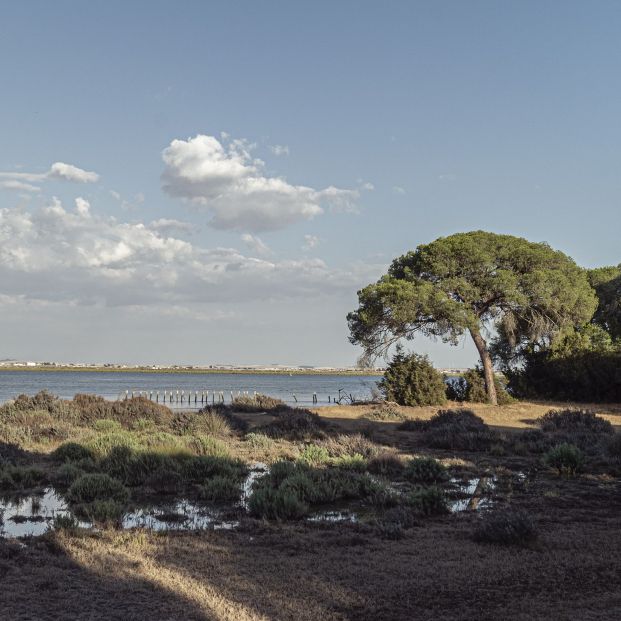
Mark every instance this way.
x=547 y=546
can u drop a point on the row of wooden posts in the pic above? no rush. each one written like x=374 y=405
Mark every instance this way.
x=201 y=396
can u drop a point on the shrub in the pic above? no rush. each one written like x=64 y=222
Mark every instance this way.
x=91 y=487
x=453 y=429
x=106 y=425
x=257 y=403
x=66 y=522
x=198 y=469
x=505 y=528
x=582 y=376
x=221 y=489
x=294 y=424
x=386 y=412
x=92 y=407
x=354 y=462
x=425 y=470
x=160 y=441
x=427 y=501
x=387 y=464
x=533 y=441
x=575 y=421
x=21 y=477
x=259 y=441
x=102 y=511
x=471 y=388
x=67 y=474
x=565 y=458
x=613 y=447
x=164 y=481
x=412 y=380
x=276 y=504
x=350 y=444
x=102 y=444
x=314 y=455
x=71 y=451
x=209 y=421
x=207 y=445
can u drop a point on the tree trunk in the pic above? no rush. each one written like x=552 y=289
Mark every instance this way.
x=488 y=368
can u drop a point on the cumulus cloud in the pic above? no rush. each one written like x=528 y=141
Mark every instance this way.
x=256 y=245
x=167 y=226
x=58 y=170
x=78 y=257
x=397 y=189
x=231 y=185
x=310 y=242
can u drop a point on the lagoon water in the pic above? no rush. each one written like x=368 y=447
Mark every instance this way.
x=113 y=385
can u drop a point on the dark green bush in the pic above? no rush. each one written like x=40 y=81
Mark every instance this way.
x=505 y=528
x=425 y=470
x=588 y=376
x=575 y=421
x=91 y=487
x=72 y=451
x=21 y=477
x=221 y=489
x=164 y=481
x=471 y=388
x=453 y=429
x=427 y=501
x=276 y=504
x=566 y=458
x=412 y=380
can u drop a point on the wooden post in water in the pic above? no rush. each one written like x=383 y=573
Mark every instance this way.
x=295 y=398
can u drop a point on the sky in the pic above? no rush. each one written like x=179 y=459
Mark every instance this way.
x=211 y=183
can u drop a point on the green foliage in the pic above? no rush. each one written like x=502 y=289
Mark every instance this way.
x=505 y=528
x=106 y=425
x=71 y=451
x=67 y=474
x=453 y=429
x=412 y=380
x=587 y=376
x=566 y=458
x=471 y=388
x=257 y=403
x=276 y=504
x=91 y=487
x=350 y=444
x=259 y=441
x=101 y=511
x=607 y=284
x=103 y=443
x=208 y=445
x=425 y=470
x=66 y=522
x=314 y=455
x=294 y=424
x=350 y=462
x=17 y=478
x=571 y=420
x=221 y=489
x=467 y=282
x=427 y=501
x=387 y=412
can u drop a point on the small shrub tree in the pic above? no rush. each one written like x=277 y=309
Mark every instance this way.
x=411 y=379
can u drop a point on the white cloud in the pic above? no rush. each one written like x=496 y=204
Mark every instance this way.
x=279 y=149
x=82 y=206
x=167 y=226
x=397 y=189
x=81 y=258
x=232 y=186
x=14 y=184
x=256 y=245
x=58 y=170
x=310 y=242
x=368 y=186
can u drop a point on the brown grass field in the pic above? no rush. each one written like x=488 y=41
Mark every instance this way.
x=298 y=570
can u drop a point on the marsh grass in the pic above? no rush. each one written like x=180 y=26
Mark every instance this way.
x=506 y=527
x=387 y=464
x=427 y=501
x=566 y=458
x=221 y=488
x=91 y=487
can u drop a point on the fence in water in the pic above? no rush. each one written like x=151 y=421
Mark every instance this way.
x=200 y=398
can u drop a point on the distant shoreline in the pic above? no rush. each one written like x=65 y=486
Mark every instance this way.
x=164 y=371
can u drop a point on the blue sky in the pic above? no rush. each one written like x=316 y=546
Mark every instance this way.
x=254 y=164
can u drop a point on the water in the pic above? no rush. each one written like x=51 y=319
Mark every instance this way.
x=112 y=385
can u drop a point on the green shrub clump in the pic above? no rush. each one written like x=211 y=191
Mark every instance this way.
x=72 y=451
x=427 y=501
x=425 y=470
x=566 y=458
x=221 y=489
x=91 y=487
x=471 y=388
x=411 y=379
x=453 y=429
